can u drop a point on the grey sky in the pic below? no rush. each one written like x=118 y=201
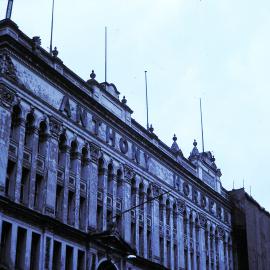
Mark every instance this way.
x=218 y=50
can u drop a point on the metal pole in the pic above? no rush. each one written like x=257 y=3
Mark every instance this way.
x=106 y=54
x=201 y=124
x=52 y=27
x=9 y=9
x=146 y=97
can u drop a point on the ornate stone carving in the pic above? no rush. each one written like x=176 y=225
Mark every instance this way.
x=94 y=152
x=7 y=67
x=219 y=210
x=128 y=172
x=55 y=126
x=186 y=189
x=156 y=190
x=6 y=97
x=181 y=206
x=202 y=220
x=221 y=232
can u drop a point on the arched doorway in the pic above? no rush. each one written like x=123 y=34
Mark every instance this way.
x=107 y=265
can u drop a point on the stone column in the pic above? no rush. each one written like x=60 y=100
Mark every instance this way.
x=6 y=100
x=163 y=209
x=63 y=256
x=194 y=244
x=202 y=223
x=66 y=162
x=188 y=267
x=114 y=195
x=77 y=171
x=103 y=174
x=28 y=249
x=209 y=245
x=214 y=249
x=221 y=248
x=93 y=187
x=226 y=251
x=18 y=178
x=85 y=175
x=171 y=239
x=32 y=180
x=52 y=167
x=155 y=226
x=75 y=258
x=145 y=223
x=180 y=235
x=126 y=202
x=136 y=191
x=13 y=245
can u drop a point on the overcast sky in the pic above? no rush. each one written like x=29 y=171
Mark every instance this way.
x=217 y=50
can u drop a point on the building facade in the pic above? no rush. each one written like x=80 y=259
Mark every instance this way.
x=84 y=186
x=251 y=226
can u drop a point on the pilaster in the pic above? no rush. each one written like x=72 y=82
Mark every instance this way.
x=93 y=187
x=155 y=227
x=52 y=167
x=6 y=101
x=20 y=158
x=32 y=180
x=180 y=235
x=202 y=223
x=126 y=203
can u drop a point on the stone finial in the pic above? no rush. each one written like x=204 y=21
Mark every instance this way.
x=175 y=148
x=36 y=43
x=124 y=100
x=55 y=52
x=195 y=152
x=151 y=129
x=92 y=75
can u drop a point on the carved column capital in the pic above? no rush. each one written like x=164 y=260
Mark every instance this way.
x=55 y=127
x=7 y=98
x=94 y=152
x=128 y=173
x=181 y=206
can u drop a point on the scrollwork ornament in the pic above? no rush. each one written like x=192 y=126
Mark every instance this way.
x=128 y=172
x=7 y=68
x=181 y=207
x=94 y=151
x=55 y=126
x=6 y=97
x=156 y=190
x=221 y=232
x=202 y=220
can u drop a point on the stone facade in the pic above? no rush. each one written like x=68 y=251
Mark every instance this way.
x=251 y=226
x=84 y=186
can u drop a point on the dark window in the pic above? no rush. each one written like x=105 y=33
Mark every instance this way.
x=35 y=251
x=20 y=249
x=56 y=255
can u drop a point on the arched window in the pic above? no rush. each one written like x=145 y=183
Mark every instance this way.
x=73 y=156
x=29 y=130
x=42 y=138
x=62 y=147
x=15 y=122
